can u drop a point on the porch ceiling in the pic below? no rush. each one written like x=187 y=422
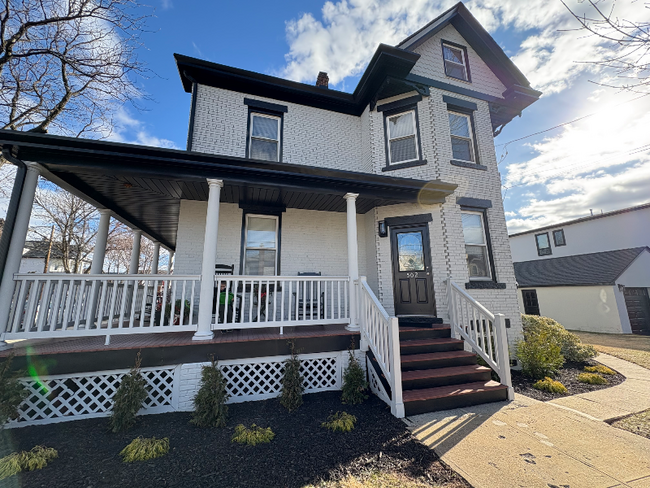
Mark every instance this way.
x=144 y=186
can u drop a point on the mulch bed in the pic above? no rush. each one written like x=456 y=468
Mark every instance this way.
x=301 y=453
x=568 y=376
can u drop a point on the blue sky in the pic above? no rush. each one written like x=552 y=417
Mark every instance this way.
x=598 y=163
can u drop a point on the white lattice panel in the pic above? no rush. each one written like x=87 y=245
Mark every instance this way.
x=85 y=395
x=376 y=385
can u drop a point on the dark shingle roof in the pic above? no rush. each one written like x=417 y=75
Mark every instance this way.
x=599 y=268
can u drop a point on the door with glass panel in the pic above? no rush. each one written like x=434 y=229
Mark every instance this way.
x=412 y=277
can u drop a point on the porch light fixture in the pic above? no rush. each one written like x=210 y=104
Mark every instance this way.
x=382 y=228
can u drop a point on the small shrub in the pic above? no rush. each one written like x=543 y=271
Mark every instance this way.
x=570 y=345
x=292 y=387
x=16 y=462
x=599 y=368
x=253 y=436
x=12 y=391
x=210 y=408
x=354 y=382
x=340 y=422
x=551 y=386
x=142 y=449
x=592 y=379
x=128 y=398
x=539 y=354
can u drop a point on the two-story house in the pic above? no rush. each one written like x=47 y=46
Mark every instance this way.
x=305 y=213
x=591 y=273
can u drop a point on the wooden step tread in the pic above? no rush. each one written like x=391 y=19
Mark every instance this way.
x=451 y=391
x=428 y=342
x=420 y=374
x=407 y=328
x=433 y=356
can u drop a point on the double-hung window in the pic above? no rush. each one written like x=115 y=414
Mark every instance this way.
x=264 y=137
x=455 y=61
x=261 y=245
x=476 y=246
x=462 y=140
x=401 y=134
x=543 y=244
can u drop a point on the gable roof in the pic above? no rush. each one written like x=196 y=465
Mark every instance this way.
x=599 y=268
x=38 y=250
x=583 y=219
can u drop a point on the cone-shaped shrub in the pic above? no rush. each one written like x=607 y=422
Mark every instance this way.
x=128 y=398
x=210 y=408
x=354 y=382
x=12 y=392
x=292 y=387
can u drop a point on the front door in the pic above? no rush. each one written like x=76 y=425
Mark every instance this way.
x=412 y=277
x=638 y=309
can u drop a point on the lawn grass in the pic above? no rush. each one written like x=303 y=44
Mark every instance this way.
x=639 y=423
x=380 y=479
x=632 y=348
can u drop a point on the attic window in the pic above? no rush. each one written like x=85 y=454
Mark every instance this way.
x=455 y=61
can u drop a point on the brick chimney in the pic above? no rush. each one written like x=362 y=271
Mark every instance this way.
x=322 y=80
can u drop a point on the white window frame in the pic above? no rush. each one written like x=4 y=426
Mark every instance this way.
x=472 y=147
x=463 y=57
x=278 y=119
x=487 y=248
x=415 y=133
x=246 y=248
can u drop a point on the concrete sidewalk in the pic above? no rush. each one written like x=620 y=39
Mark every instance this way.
x=527 y=443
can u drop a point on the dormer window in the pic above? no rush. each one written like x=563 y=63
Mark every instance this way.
x=455 y=58
x=264 y=138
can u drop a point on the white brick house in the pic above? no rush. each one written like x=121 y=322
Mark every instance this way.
x=378 y=210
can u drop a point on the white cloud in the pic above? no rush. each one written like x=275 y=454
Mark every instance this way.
x=133 y=131
x=166 y=4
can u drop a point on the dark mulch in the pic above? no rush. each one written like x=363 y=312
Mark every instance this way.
x=568 y=376
x=301 y=453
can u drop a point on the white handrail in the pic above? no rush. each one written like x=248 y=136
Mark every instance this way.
x=381 y=334
x=482 y=330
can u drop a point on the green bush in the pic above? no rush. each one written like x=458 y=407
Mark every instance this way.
x=592 y=379
x=571 y=347
x=292 y=387
x=253 y=436
x=128 y=398
x=599 y=368
x=210 y=408
x=142 y=449
x=539 y=353
x=12 y=391
x=551 y=386
x=354 y=382
x=16 y=462
x=340 y=422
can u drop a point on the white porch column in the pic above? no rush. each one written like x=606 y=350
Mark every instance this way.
x=16 y=246
x=170 y=263
x=353 y=259
x=204 y=331
x=135 y=252
x=156 y=257
x=100 y=242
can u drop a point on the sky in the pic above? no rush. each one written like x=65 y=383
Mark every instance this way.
x=600 y=162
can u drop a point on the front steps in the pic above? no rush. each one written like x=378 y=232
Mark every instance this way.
x=438 y=374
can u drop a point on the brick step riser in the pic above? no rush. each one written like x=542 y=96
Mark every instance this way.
x=439 y=363
x=457 y=379
x=459 y=401
x=406 y=350
x=407 y=335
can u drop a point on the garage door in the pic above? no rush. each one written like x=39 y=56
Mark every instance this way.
x=638 y=309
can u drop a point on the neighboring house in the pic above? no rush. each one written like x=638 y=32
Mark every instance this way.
x=374 y=215
x=590 y=274
x=35 y=255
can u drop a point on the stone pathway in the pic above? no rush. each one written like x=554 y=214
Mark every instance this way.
x=558 y=444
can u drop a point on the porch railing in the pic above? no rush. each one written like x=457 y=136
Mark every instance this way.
x=381 y=331
x=280 y=301
x=482 y=330
x=64 y=305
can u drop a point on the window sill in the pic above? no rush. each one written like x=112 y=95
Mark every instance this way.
x=465 y=164
x=409 y=164
x=485 y=285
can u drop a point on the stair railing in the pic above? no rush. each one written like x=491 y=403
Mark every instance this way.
x=482 y=330
x=380 y=332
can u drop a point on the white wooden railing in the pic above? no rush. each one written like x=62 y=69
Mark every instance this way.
x=64 y=305
x=381 y=331
x=482 y=330
x=280 y=301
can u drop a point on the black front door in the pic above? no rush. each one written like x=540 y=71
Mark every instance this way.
x=412 y=277
x=638 y=309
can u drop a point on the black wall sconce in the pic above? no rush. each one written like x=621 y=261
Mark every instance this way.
x=382 y=228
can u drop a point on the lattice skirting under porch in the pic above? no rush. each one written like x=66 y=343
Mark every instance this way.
x=61 y=398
